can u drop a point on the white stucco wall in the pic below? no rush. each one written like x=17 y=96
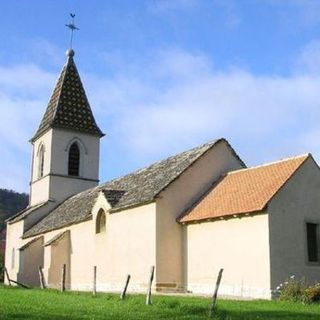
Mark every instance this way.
x=127 y=247
x=55 y=183
x=13 y=243
x=39 y=188
x=57 y=255
x=46 y=141
x=180 y=195
x=62 y=187
x=89 y=153
x=30 y=259
x=238 y=245
x=297 y=202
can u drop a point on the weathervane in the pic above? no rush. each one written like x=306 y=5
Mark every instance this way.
x=72 y=27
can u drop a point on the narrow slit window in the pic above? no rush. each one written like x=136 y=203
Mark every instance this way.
x=41 y=162
x=312 y=242
x=74 y=160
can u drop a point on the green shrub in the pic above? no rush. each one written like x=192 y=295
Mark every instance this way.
x=297 y=291
x=312 y=293
x=292 y=290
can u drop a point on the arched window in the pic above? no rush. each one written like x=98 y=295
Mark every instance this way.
x=74 y=160
x=101 y=222
x=41 y=161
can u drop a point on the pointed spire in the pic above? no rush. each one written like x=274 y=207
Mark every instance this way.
x=68 y=107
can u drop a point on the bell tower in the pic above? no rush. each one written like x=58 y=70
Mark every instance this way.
x=65 y=158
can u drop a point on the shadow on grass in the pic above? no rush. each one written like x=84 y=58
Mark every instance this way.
x=263 y=315
x=20 y=316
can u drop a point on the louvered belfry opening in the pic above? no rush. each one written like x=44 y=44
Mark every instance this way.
x=74 y=160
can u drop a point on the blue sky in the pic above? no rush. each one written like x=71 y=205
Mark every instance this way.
x=163 y=76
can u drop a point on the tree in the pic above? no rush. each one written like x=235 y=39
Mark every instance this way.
x=11 y=202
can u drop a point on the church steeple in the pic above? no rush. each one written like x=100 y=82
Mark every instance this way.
x=66 y=145
x=68 y=107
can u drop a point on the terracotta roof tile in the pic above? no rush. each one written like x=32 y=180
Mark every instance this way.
x=244 y=191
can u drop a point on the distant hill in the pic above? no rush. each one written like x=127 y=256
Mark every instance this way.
x=11 y=202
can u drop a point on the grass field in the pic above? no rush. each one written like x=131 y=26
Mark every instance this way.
x=49 y=304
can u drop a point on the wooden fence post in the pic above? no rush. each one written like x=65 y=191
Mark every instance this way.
x=41 y=277
x=215 y=294
x=94 y=289
x=123 y=293
x=148 y=299
x=7 y=275
x=63 y=278
x=16 y=282
x=20 y=284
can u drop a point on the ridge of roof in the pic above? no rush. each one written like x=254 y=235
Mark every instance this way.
x=266 y=164
x=230 y=196
x=208 y=144
x=68 y=107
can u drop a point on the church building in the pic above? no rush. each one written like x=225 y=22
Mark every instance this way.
x=188 y=215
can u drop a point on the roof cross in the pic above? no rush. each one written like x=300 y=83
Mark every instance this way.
x=72 y=28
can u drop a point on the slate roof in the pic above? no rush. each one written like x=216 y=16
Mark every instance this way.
x=244 y=191
x=134 y=189
x=74 y=210
x=68 y=107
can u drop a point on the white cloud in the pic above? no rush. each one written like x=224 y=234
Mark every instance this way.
x=27 y=78
x=165 y=103
x=24 y=90
x=178 y=99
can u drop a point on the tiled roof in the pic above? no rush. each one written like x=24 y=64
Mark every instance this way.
x=244 y=191
x=68 y=106
x=131 y=190
x=74 y=210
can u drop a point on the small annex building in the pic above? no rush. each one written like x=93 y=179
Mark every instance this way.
x=188 y=215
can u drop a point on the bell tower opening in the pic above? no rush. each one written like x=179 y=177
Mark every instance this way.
x=74 y=160
x=41 y=161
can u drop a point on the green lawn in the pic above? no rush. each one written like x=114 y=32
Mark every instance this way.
x=49 y=304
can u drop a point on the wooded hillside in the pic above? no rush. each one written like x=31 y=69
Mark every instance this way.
x=10 y=203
